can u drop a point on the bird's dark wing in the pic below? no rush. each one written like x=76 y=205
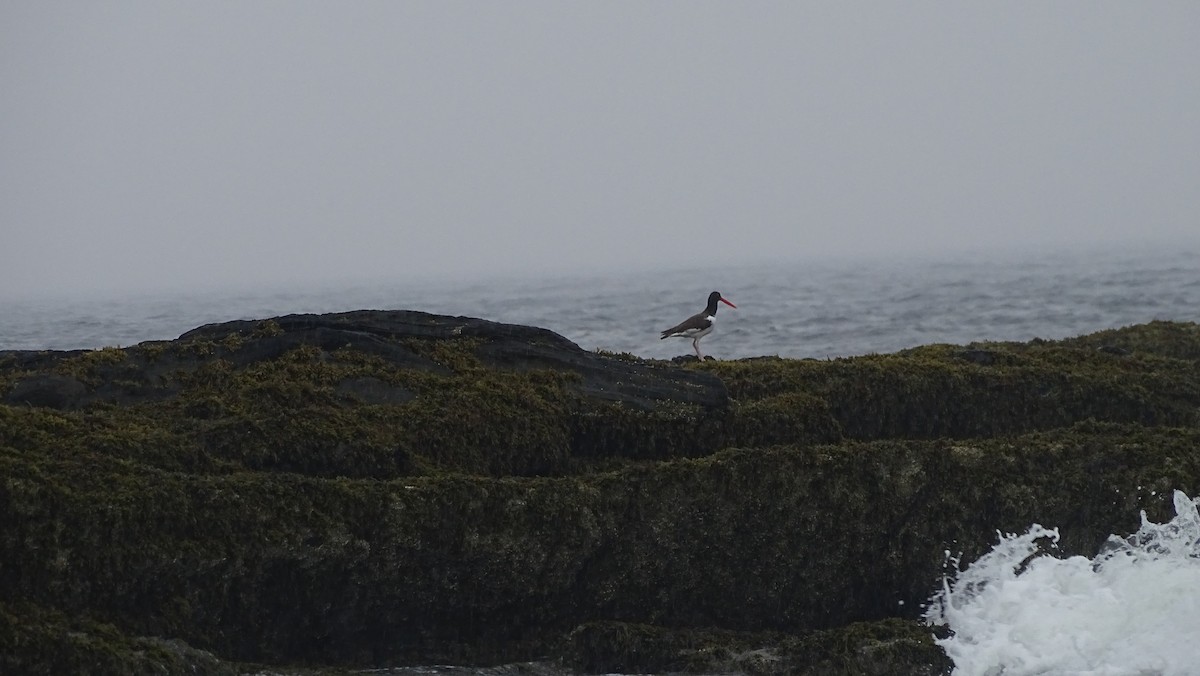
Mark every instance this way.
x=693 y=323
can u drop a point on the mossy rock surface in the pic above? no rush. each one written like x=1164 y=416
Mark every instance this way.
x=1174 y=340
x=271 y=567
x=371 y=489
x=34 y=640
x=884 y=648
x=984 y=390
x=366 y=394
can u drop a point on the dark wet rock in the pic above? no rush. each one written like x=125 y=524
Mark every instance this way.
x=944 y=391
x=690 y=359
x=47 y=389
x=373 y=489
x=34 y=640
x=369 y=390
x=250 y=378
x=1174 y=340
x=981 y=357
x=884 y=648
x=505 y=346
x=143 y=374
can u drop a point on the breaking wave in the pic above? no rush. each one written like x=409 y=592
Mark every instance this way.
x=1132 y=609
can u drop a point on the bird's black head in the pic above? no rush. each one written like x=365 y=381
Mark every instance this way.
x=712 y=301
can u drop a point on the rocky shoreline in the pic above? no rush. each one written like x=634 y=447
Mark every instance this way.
x=380 y=489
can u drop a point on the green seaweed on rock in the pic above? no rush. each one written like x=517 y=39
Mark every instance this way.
x=34 y=640
x=360 y=504
x=883 y=647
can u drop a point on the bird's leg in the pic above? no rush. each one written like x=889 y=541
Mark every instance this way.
x=696 y=344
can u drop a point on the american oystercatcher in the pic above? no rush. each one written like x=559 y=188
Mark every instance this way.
x=698 y=325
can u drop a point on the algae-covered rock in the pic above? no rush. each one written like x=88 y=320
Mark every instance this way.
x=37 y=641
x=367 y=394
x=371 y=489
x=274 y=568
x=989 y=389
x=1175 y=340
x=883 y=648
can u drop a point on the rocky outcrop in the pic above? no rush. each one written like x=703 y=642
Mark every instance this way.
x=306 y=391
x=143 y=373
x=373 y=489
x=503 y=346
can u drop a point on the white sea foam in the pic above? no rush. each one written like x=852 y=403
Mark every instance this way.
x=1133 y=609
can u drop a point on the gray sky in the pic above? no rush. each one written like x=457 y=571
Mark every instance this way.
x=149 y=145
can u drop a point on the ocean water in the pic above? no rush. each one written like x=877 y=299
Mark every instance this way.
x=811 y=308
x=1133 y=609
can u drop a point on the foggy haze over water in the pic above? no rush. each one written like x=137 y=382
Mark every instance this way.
x=816 y=309
x=151 y=146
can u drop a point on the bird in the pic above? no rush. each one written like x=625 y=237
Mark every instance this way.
x=698 y=325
